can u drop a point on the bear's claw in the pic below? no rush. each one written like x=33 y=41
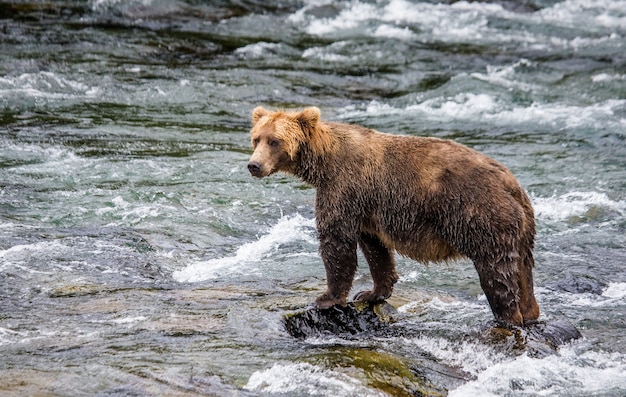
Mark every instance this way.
x=370 y=296
x=323 y=302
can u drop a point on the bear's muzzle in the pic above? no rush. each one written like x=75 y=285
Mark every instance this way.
x=255 y=168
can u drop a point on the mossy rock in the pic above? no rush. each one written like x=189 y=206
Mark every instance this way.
x=382 y=371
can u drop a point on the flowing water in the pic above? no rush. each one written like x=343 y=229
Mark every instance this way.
x=138 y=257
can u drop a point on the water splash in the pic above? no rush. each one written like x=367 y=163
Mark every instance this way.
x=568 y=373
x=568 y=205
x=307 y=379
x=288 y=229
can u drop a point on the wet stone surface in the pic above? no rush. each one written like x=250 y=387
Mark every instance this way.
x=537 y=339
x=349 y=321
x=362 y=320
x=423 y=374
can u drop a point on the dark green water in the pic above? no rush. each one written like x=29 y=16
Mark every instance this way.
x=138 y=257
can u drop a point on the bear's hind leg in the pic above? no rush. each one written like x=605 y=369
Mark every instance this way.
x=382 y=267
x=500 y=282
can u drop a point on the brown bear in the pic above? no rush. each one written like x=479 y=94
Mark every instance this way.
x=427 y=198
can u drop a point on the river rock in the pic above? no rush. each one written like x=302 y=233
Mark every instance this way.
x=353 y=319
x=357 y=319
x=392 y=375
x=576 y=283
x=537 y=339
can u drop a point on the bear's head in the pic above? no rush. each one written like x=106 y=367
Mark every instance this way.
x=277 y=138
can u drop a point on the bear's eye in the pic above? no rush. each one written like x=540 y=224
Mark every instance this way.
x=274 y=143
x=255 y=142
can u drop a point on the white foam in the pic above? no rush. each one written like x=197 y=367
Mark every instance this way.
x=47 y=162
x=613 y=296
x=130 y=321
x=606 y=77
x=97 y=5
x=393 y=32
x=586 y=14
x=461 y=106
x=464 y=21
x=257 y=50
x=568 y=205
x=611 y=21
x=505 y=75
x=461 y=20
x=288 y=229
x=307 y=379
x=44 y=85
x=8 y=336
x=20 y=256
x=568 y=373
x=489 y=109
x=562 y=115
x=401 y=11
x=472 y=358
x=326 y=54
x=448 y=309
x=573 y=371
x=615 y=291
x=124 y=212
x=348 y=18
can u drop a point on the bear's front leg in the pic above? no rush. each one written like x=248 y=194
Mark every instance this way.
x=382 y=267
x=340 y=261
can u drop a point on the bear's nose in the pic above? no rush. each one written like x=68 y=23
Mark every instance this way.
x=255 y=168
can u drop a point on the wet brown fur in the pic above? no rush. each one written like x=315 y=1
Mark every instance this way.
x=429 y=199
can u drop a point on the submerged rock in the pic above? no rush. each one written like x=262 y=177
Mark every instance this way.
x=576 y=283
x=388 y=373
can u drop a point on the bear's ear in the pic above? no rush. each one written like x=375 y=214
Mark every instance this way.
x=309 y=117
x=258 y=113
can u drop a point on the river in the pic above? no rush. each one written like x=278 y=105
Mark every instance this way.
x=138 y=257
